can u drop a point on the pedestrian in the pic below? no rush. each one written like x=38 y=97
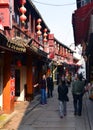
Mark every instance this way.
x=62 y=97
x=50 y=86
x=68 y=79
x=78 y=88
x=43 y=86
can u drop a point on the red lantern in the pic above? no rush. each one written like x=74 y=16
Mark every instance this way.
x=45 y=30
x=38 y=27
x=45 y=40
x=19 y=63
x=39 y=32
x=23 y=18
x=23 y=9
x=39 y=21
x=45 y=34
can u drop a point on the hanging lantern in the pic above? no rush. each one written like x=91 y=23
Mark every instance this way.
x=39 y=27
x=45 y=35
x=22 y=9
x=39 y=20
x=19 y=64
x=23 y=18
x=39 y=33
x=45 y=40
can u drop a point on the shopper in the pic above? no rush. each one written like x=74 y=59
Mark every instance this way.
x=78 y=88
x=50 y=86
x=62 y=97
x=43 y=86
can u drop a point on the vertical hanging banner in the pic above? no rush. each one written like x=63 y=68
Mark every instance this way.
x=12 y=82
x=51 y=46
x=12 y=88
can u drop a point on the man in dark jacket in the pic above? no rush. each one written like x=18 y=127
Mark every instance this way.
x=62 y=97
x=77 y=92
x=50 y=86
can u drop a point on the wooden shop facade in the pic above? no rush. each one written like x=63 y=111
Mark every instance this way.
x=26 y=49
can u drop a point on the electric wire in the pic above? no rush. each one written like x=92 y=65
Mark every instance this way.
x=68 y=4
x=53 y=4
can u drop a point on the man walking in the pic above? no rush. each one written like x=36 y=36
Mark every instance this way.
x=50 y=86
x=77 y=92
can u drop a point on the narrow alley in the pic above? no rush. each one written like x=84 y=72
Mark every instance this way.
x=46 y=117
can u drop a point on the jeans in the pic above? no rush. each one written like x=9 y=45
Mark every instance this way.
x=43 y=96
x=62 y=108
x=77 y=101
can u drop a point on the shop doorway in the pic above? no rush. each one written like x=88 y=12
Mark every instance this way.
x=17 y=82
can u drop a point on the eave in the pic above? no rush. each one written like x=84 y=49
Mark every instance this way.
x=81 y=23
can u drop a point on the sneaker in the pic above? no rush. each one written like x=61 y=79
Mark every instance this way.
x=75 y=113
x=79 y=114
x=65 y=114
x=61 y=117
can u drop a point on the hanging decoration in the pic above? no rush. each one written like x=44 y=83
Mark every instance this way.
x=45 y=35
x=23 y=11
x=39 y=27
x=19 y=64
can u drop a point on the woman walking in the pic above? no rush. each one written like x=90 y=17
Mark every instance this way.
x=62 y=97
x=43 y=90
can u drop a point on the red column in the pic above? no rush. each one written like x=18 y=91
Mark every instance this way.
x=8 y=102
x=29 y=78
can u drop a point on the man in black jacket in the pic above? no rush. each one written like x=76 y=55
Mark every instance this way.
x=50 y=86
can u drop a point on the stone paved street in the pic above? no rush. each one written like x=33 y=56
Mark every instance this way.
x=46 y=117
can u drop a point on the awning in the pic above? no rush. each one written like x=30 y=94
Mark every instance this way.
x=81 y=23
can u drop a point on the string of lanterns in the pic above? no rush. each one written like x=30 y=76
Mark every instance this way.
x=23 y=19
x=39 y=27
x=23 y=11
x=45 y=35
x=39 y=33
